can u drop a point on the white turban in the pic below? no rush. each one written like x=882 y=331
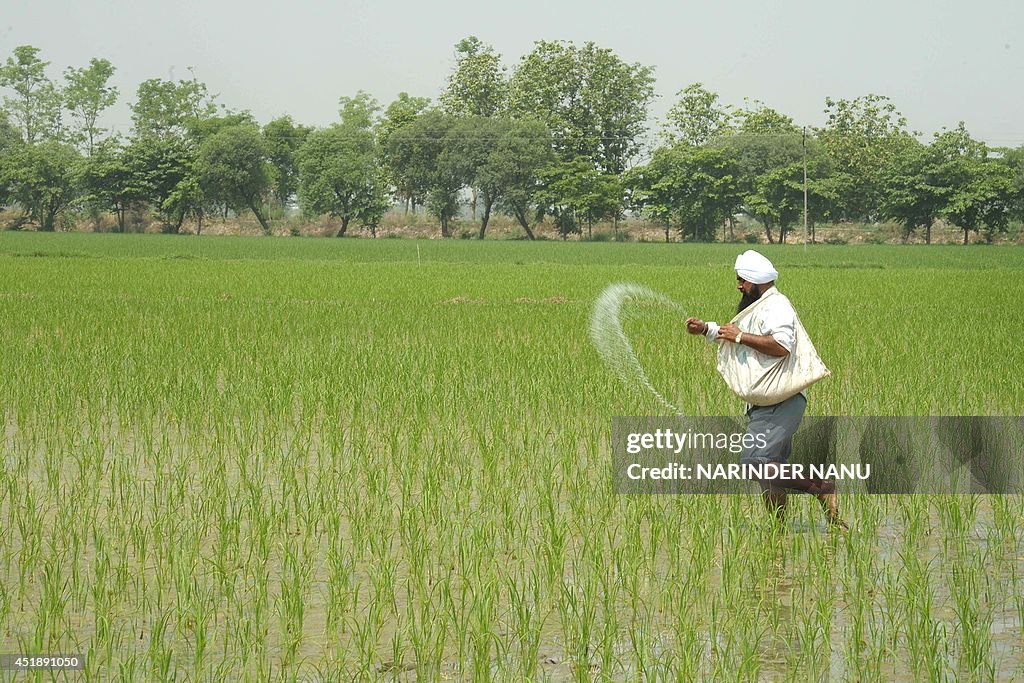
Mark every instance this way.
x=753 y=267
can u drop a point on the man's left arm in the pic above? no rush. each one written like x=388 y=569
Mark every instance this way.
x=779 y=322
x=765 y=343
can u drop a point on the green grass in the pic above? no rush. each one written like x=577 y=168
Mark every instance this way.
x=331 y=459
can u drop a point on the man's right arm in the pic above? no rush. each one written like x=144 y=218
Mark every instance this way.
x=698 y=326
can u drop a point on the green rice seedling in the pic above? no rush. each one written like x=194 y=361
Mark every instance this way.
x=159 y=654
x=427 y=633
x=366 y=632
x=641 y=642
x=969 y=589
x=607 y=592
x=484 y=641
x=525 y=599
x=894 y=609
x=578 y=616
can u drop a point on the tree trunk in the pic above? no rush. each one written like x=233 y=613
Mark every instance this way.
x=473 y=201
x=965 y=236
x=120 y=211
x=181 y=220
x=666 y=234
x=344 y=226
x=259 y=216
x=444 y=226
x=199 y=223
x=521 y=217
x=928 y=233
x=486 y=217
x=768 y=233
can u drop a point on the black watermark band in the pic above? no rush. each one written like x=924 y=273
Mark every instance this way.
x=944 y=454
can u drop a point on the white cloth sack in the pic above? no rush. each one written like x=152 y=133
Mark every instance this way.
x=758 y=385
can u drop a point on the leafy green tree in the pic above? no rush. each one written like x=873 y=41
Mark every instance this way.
x=160 y=166
x=915 y=191
x=472 y=142
x=602 y=199
x=283 y=138
x=359 y=111
x=515 y=166
x=822 y=198
x=502 y=161
x=189 y=198
x=770 y=150
x=10 y=141
x=500 y=158
x=232 y=168
x=692 y=189
x=478 y=86
x=594 y=104
x=576 y=193
x=422 y=153
x=563 y=184
x=980 y=191
x=109 y=183
x=339 y=175
x=777 y=199
x=1013 y=159
x=696 y=118
x=44 y=180
x=863 y=138
x=36 y=105
x=200 y=129
x=86 y=95
x=763 y=140
x=401 y=112
x=168 y=108
x=984 y=202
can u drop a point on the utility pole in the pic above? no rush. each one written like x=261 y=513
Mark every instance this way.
x=805 y=187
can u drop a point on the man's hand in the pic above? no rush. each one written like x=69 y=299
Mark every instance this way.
x=728 y=332
x=695 y=326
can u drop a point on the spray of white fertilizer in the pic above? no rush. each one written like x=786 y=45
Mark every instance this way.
x=611 y=341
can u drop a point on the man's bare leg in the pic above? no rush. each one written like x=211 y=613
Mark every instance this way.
x=822 y=489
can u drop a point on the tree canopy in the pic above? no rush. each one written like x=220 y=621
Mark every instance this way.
x=559 y=136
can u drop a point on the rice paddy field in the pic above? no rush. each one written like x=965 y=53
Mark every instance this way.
x=313 y=460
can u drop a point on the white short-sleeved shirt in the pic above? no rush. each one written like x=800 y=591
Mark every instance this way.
x=775 y=316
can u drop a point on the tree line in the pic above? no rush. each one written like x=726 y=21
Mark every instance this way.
x=561 y=137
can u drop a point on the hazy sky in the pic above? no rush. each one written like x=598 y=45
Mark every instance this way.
x=939 y=60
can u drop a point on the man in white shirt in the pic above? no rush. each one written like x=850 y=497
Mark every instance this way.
x=770 y=333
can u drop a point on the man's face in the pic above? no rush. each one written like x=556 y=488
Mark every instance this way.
x=749 y=291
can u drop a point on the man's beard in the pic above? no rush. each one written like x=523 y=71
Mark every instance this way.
x=747 y=299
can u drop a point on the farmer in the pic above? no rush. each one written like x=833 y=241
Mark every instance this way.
x=770 y=331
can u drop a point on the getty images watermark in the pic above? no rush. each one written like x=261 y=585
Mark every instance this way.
x=867 y=454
